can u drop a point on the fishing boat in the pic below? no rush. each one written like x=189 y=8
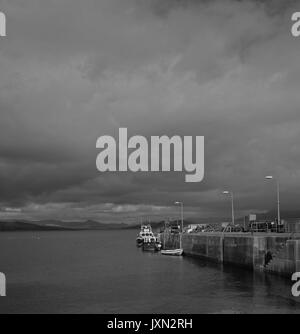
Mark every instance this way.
x=151 y=243
x=150 y=246
x=147 y=240
x=145 y=234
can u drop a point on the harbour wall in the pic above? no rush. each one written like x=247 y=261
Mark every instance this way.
x=272 y=253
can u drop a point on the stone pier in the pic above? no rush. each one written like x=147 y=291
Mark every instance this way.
x=268 y=252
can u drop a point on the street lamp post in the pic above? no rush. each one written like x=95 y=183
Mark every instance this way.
x=181 y=205
x=232 y=204
x=270 y=177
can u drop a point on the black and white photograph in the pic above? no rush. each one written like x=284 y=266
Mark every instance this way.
x=150 y=159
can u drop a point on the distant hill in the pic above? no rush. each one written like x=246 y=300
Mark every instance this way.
x=81 y=225
x=22 y=226
x=55 y=225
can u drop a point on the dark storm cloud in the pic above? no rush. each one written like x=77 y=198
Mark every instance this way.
x=74 y=70
x=163 y=8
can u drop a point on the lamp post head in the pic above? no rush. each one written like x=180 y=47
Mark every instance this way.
x=269 y=177
x=226 y=192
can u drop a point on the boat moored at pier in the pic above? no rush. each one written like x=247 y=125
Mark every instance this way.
x=147 y=239
x=150 y=246
x=174 y=252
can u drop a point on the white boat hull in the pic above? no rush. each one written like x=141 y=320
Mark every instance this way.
x=174 y=252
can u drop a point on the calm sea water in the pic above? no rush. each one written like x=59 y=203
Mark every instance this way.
x=104 y=272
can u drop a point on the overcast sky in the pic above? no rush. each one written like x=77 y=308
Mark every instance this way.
x=74 y=70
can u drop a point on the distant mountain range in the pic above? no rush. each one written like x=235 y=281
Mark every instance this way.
x=58 y=225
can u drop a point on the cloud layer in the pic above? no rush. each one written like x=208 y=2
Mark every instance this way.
x=73 y=70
